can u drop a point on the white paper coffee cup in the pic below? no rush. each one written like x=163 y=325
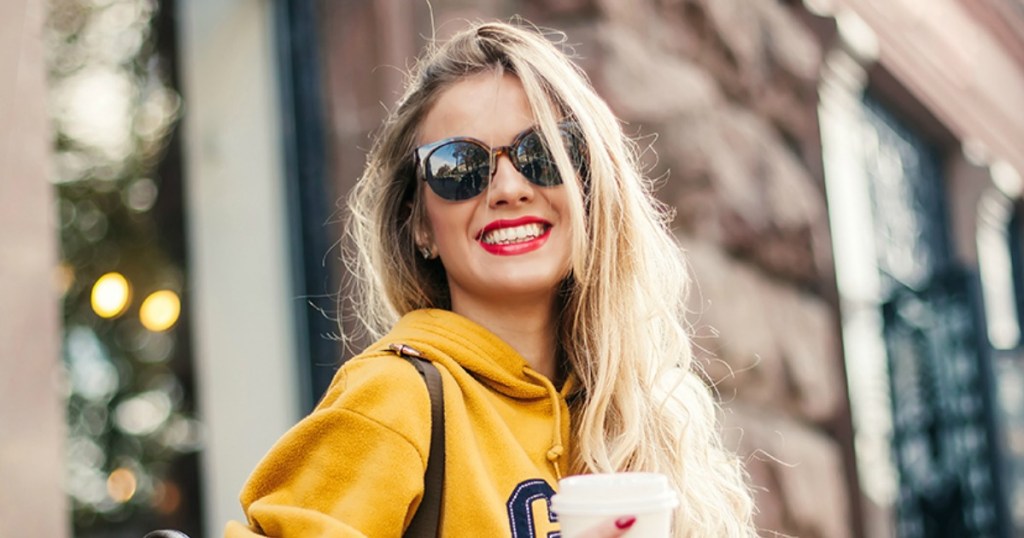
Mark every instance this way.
x=585 y=501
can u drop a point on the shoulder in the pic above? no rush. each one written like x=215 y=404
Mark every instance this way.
x=383 y=388
x=372 y=374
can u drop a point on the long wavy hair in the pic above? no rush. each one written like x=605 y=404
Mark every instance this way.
x=641 y=405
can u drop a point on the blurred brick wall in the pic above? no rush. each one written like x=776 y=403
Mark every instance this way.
x=730 y=89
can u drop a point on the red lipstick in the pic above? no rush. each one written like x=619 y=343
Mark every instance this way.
x=521 y=247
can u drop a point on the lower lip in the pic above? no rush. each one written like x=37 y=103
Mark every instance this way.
x=515 y=249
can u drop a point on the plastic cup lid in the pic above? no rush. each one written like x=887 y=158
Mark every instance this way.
x=614 y=493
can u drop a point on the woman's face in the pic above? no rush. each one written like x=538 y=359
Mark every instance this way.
x=512 y=242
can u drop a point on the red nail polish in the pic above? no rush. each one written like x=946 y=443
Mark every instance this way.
x=625 y=522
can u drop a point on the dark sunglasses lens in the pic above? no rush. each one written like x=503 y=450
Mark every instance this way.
x=458 y=170
x=574 y=145
x=535 y=162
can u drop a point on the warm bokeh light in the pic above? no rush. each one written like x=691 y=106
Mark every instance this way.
x=160 y=310
x=110 y=295
x=64 y=277
x=167 y=497
x=121 y=485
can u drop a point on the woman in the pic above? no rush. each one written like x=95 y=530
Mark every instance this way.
x=505 y=233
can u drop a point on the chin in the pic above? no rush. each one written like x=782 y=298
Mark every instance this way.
x=503 y=289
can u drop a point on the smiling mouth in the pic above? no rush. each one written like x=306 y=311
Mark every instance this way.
x=514 y=234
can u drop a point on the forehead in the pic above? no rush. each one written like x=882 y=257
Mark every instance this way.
x=489 y=106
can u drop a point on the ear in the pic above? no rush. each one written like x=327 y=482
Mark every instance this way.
x=425 y=245
x=420 y=233
x=420 y=226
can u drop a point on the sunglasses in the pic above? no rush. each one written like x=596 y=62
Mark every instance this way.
x=460 y=168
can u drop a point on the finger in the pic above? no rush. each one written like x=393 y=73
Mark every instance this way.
x=611 y=528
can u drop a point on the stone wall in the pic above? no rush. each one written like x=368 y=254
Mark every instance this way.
x=730 y=89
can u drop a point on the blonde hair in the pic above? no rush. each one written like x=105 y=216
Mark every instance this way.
x=641 y=405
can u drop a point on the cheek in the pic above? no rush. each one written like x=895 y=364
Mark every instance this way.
x=447 y=222
x=565 y=210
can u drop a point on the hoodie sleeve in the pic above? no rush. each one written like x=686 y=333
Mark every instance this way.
x=354 y=467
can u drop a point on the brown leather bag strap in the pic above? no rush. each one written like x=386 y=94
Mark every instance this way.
x=427 y=521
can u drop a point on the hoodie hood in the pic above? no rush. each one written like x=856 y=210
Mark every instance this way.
x=443 y=335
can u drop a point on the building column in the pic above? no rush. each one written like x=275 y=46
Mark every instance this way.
x=243 y=310
x=32 y=501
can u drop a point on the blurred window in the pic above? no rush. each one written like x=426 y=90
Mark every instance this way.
x=1001 y=260
x=938 y=373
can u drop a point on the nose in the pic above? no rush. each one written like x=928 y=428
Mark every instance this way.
x=507 y=185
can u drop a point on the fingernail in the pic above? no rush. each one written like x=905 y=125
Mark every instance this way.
x=625 y=522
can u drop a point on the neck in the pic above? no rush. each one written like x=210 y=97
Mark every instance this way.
x=528 y=326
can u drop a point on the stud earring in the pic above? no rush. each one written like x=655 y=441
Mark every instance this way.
x=426 y=253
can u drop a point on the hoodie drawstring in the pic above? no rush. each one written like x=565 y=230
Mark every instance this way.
x=557 y=450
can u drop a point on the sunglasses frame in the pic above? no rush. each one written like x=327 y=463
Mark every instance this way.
x=423 y=153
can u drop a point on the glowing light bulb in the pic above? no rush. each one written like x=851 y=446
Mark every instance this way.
x=160 y=310
x=110 y=295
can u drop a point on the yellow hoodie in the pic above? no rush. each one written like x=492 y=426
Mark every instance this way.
x=354 y=466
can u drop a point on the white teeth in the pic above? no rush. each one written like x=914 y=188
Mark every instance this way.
x=517 y=234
